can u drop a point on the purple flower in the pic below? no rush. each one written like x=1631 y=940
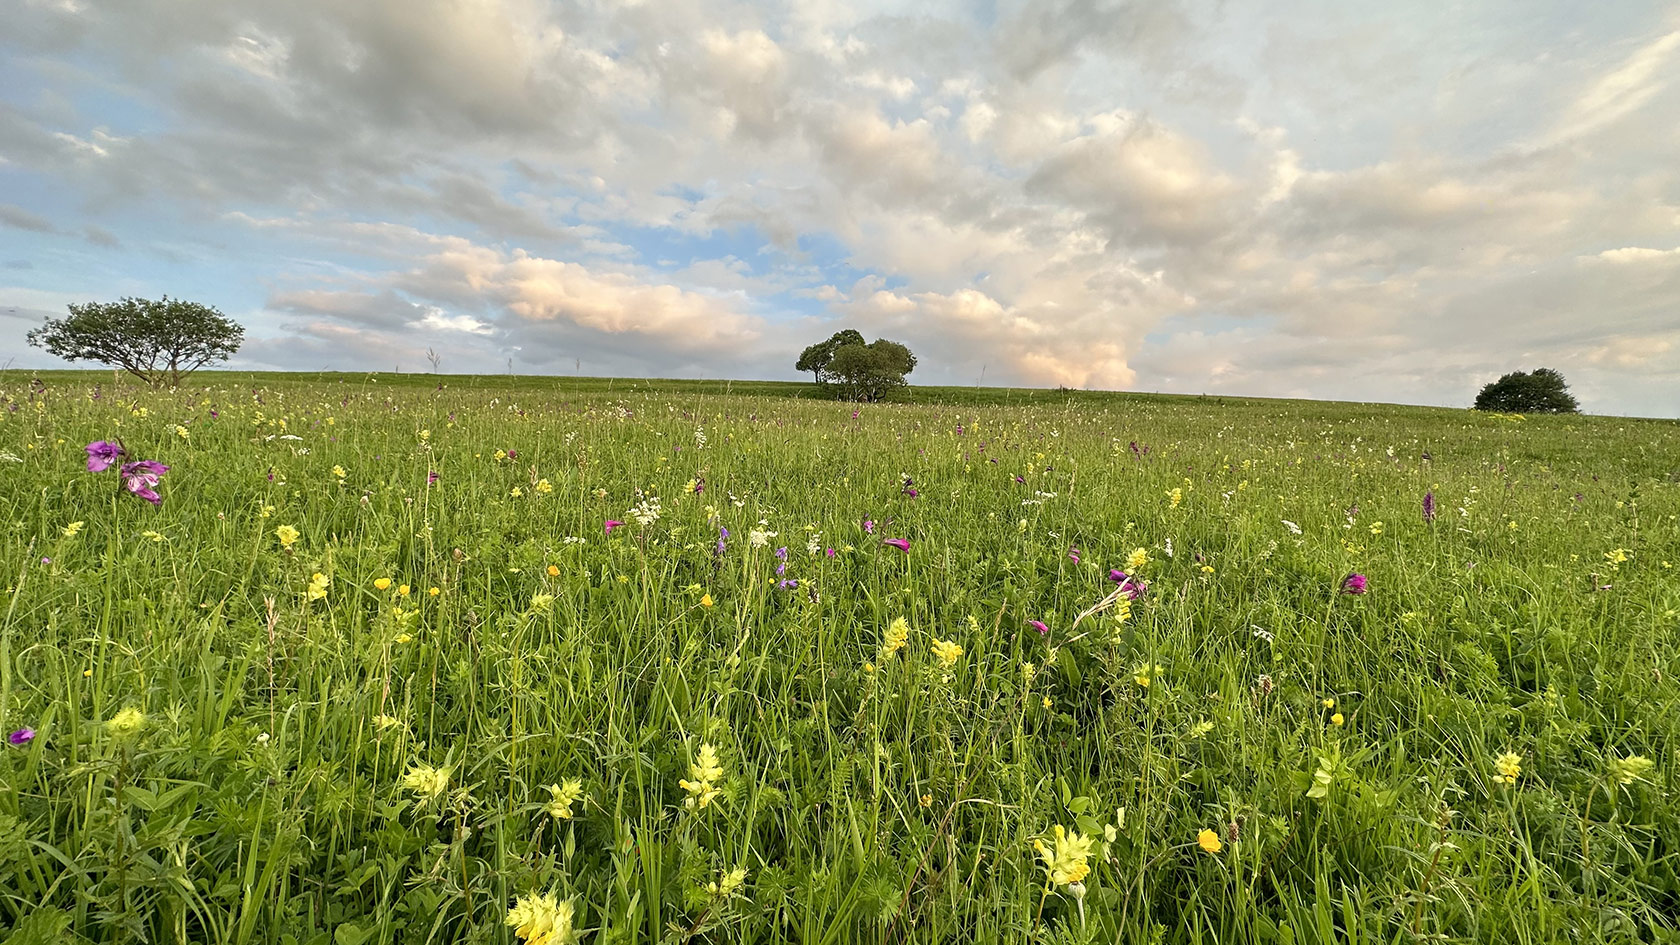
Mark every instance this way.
x=1354 y=584
x=513 y=454
x=1429 y=506
x=1039 y=625
x=102 y=453
x=788 y=584
x=612 y=523
x=902 y=544
x=781 y=569
x=141 y=478
x=830 y=552
x=869 y=526
x=1133 y=589
x=912 y=493
x=22 y=736
x=431 y=477
x=1073 y=555
x=781 y=553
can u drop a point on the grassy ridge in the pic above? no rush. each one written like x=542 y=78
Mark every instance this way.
x=353 y=757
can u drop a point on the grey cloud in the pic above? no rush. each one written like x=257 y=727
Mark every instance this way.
x=22 y=219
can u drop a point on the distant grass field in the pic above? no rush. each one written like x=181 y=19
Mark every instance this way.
x=378 y=670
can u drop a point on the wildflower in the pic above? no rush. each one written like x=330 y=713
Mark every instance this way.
x=431 y=477
x=22 y=736
x=155 y=536
x=902 y=544
x=141 y=478
x=1354 y=584
x=1039 y=625
x=1329 y=703
x=1144 y=673
x=706 y=600
x=926 y=800
x=1509 y=766
x=1065 y=863
x=318 y=584
x=339 y=472
x=382 y=584
x=1073 y=555
x=384 y=722
x=1294 y=529
x=287 y=535
x=553 y=571
x=402 y=590
x=1136 y=560
x=898 y=634
x=1209 y=841
x=426 y=781
x=727 y=883
x=1133 y=588
x=1201 y=728
x=703 y=775
x=947 y=652
x=544 y=487
x=1630 y=769
x=1429 y=506
x=540 y=602
x=72 y=529
x=542 y=920
x=869 y=526
x=612 y=524
x=1337 y=719
x=517 y=492
x=433 y=591
x=1376 y=529
x=101 y=454
x=1175 y=497
x=563 y=797
x=126 y=723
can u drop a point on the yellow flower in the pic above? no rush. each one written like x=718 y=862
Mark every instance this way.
x=386 y=721
x=543 y=487
x=1136 y=561
x=947 y=652
x=898 y=635
x=1175 y=497
x=126 y=723
x=339 y=472
x=426 y=781
x=1209 y=841
x=181 y=431
x=1066 y=862
x=383 y=584
x=1144 y=673
x=517 y=492
x=318 y=585
x=402 y=590
x=727 y=883
x=72 y=529
x=1509 y=766
x=553 y=571
x=706 y=600
x=926 y=800
x=1047 y=702
x=287 y=534
x=564 y=796
x=1329 y=703
x=1630 y=769
x=703 y=776
x=540 y=602
x=1337 y=719
x=542 y=920
x=154 y=536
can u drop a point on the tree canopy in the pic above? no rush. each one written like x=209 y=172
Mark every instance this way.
x=157 y=341
x=817 y=357
x=1540 y=391
x=868 y=372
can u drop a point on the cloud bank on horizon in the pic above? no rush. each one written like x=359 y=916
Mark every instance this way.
x=1350 y=201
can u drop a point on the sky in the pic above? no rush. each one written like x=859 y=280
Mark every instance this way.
x=1344 y=200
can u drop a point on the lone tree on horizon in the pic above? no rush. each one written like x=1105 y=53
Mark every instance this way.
x=155 y=341
x=858 y=371
x=1540 y=391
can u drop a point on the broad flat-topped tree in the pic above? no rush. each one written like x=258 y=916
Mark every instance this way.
x=156 y=341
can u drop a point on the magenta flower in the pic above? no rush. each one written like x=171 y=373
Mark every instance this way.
x=902 y=544
x=1040 y=626
x=101 y=454
x=1133 y=589
x=1429 y=506
x=612 y=523
x=431 y=477
x=829 y=552
x=1354 y=584
x=1073 y=555
x=869 y=526
x=22 y=736
x=141 y=478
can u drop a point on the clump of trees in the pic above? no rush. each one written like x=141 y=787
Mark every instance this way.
x=1540 y=391
x=857 y=371
x=155 y=340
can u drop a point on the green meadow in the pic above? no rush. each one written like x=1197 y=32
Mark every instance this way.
x=378 y=669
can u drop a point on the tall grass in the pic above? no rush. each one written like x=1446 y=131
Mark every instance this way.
x=868 y=797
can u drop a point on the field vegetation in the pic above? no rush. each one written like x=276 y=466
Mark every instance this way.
x=438 y=659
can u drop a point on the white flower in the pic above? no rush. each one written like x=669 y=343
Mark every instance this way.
x=760 y=538
x=1294 y=529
